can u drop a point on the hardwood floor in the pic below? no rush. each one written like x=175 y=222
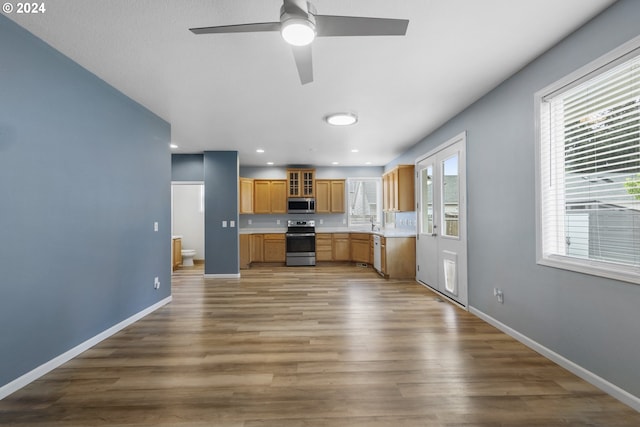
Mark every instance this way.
x=310 y=346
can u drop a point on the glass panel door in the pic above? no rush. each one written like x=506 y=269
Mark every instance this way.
x=451 y=197
x=426 y=186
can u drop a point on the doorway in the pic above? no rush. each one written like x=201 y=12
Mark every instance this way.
x=441 y=246
x=187 y=216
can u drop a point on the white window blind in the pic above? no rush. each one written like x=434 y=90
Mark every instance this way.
x=364 y=201
x=589 y=173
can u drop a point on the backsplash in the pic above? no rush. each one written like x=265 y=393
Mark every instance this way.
x=401 y=220
x=271 y=221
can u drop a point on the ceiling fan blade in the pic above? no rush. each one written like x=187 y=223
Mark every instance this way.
x=346 y=26
x=240 y=28
x=302 y=55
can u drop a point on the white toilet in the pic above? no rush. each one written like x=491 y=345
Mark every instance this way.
x=187 y=257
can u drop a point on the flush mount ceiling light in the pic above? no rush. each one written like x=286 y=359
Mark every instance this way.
x=341 y=119
x=298 y=32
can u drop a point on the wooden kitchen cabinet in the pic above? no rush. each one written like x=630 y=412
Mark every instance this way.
x=257 y=248
x=274 y=248
x=245 y=251
x=246 y=195
x=360 y=247
x=330 y=195
x=383 y=256
x=324 y=247
x=270 y=196
x=301 y=182
x=177 y=253
x=398 y=256
x=398 y=187
x=341 y=247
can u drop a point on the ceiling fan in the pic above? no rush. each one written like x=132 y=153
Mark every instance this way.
x=299 y=25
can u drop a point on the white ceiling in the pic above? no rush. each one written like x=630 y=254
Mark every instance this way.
x=242 y=91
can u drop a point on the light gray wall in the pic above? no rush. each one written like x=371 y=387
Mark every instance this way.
x=84 y=173
x=591 y=321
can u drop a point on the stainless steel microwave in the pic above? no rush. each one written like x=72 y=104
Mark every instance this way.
x=301 y=205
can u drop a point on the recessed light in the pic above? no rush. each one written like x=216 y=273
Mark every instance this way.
x=355 y=150
x=270 y=163
x=173 y=146
x=341 y=119
x=367 y=163
x=260 y=150
x=335 y=163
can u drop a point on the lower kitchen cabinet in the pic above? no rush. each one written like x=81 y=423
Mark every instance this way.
x=341 y=247
x=257 y=248
x=324 y=247
x=398 y=254
x=269 y=247
x=398 y=257
x=360 y=247
x=274 y=248
x=245 y=251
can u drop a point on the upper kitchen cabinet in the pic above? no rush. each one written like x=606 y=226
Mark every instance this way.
x=398 y=189
x=330 y=196
x=246 y=195
x=269 y=196
x=301 y=182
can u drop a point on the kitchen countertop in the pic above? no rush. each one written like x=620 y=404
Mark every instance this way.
x=391 y=232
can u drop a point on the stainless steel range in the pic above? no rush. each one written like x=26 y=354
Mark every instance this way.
x=301 y=242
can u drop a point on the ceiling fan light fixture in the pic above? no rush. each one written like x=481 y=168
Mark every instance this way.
x=341 y=119
x=298 y=32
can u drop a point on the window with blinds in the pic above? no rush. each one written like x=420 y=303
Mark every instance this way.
x=364 y=201
x=589 y=170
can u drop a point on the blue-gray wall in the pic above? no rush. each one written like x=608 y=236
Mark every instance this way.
x=219 y=172
x=187 y=167
x=84 y=173
x=221 y=245
x=591 y=321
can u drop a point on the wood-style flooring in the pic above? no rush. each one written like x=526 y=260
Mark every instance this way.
x=310 y=346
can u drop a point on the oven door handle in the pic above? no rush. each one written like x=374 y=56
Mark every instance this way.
x=300 y=234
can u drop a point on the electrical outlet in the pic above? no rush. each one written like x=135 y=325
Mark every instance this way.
x=155 y=226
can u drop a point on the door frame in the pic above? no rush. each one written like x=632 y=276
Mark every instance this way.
x=461 y=139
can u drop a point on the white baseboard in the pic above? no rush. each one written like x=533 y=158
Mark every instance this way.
x=222 y=276
x=46 y=367
x=604 y=385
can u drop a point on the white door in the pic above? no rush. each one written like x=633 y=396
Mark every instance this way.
x=441 y=252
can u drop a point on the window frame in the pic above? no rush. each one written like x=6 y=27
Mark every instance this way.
x=611 y=270
x=378 y=181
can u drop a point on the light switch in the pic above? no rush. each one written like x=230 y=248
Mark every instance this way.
x=224 y=224
x=232 y=224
